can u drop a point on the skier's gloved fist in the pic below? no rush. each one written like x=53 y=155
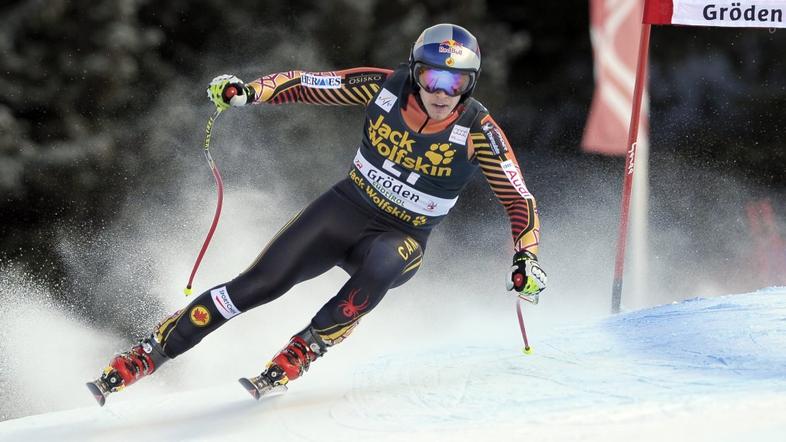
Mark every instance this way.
x=227 y=90
x=526 y=276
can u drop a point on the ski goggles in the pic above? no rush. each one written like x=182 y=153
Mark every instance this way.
x=453 y=83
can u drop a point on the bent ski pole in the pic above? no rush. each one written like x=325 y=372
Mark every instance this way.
x=220 y=187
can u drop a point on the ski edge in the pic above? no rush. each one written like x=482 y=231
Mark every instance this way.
x=256 y=393
x=98 y=393
x=250 y=388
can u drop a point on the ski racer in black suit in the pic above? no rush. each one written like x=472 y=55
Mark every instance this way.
x=424 y=137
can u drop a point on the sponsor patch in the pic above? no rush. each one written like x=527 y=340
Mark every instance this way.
x=199 y=316
x=459 y=135
x=386 y=99
x=223 y=302
x=451 y=47
x=408 y=248
x=363 y=78
x=495 y=138
x=399 y=148
x=370 y=178
x=320 y=81
x=352 y=309
x=440 y=154
x=514 y=176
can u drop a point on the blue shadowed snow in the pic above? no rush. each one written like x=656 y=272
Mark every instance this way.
x=660 y=356
x=703 y=369
x=739 y=338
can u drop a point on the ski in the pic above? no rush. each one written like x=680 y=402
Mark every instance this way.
x=257 y=387
x=99 y=390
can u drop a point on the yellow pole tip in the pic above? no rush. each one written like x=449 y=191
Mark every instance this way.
x=527 y=350
x=187 y=291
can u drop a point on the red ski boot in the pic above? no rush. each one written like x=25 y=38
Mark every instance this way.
x=289 y=364
x=128 y=367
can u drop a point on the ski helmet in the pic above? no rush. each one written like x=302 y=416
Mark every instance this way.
x=445 y=57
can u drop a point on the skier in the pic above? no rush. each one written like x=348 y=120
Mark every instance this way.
x=424 y=137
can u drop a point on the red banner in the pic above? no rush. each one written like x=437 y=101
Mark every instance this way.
x=613 y=27
x=769 y=248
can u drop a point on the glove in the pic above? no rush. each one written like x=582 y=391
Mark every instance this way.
x=526 y=276
x=227 y=90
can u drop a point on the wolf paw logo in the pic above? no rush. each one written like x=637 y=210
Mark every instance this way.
x=440 y=154
x=419 y=221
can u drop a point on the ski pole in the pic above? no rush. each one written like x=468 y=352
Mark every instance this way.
x=220 y=187
x=518 y=280
x=527 y=349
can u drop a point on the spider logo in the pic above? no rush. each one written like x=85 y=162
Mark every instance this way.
x=348 y=307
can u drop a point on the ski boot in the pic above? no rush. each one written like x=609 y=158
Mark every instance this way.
x=289 y=364
x=128 y=367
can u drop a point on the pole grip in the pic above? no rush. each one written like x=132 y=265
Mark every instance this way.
x=518 y=280
x=230 y=91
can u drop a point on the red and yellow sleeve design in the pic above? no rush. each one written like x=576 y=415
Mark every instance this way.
x=502 y=171
x=345 y=87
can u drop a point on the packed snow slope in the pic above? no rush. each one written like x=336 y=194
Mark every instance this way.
x=703 y=369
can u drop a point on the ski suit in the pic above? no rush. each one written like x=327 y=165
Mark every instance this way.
x=406 y=175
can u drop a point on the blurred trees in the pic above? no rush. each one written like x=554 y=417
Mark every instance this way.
x=76 y=75
x=78 y=78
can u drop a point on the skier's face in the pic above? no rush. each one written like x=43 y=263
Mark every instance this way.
x=438 y=104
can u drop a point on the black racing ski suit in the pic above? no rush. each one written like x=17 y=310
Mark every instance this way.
x=374 y=224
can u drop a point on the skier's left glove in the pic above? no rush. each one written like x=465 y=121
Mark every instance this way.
x=227 y=90
x=526 y=276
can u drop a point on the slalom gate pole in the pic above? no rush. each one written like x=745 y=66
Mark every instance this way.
x=220 y=188
x=633 y=133
x=527 y=348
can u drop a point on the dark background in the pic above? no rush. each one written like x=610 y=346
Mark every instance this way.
x=92 y=94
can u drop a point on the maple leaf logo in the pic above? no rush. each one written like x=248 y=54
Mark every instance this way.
x=200 y=316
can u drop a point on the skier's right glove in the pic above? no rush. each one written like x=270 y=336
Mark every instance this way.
x=526 y=276
x=227 y=90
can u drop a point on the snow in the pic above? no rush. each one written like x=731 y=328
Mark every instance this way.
x=701 y=369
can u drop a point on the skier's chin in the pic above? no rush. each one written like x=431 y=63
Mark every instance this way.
x=439 y=111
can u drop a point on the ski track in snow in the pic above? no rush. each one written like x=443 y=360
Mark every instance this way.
x=703 y=369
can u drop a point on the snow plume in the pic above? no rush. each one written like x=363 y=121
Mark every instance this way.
x=700 y=242
x=129 y=274
x=47 y=347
